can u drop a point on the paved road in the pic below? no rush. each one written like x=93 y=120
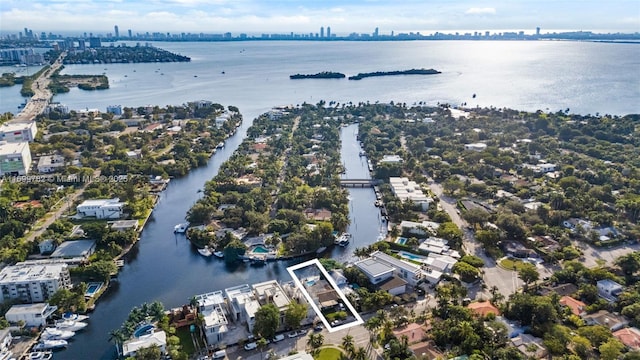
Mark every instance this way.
x=40 y=100
x=52 y=216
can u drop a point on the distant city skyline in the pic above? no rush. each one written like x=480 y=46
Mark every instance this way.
x=72 y=17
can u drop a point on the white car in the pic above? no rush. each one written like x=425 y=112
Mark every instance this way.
x=250 y=346
x=292 y=334
x=278 y=338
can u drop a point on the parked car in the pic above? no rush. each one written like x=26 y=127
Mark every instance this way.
x=292 y=334
x=278 y=338
x=302 y=332
x=220 y=354
x=318 y=327
x=250 y=346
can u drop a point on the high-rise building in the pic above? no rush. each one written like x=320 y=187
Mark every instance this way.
x=375 y=32
x=321 y=31
x=538 y=31
x=116 y=31
x=130 y=33
x=328 y=31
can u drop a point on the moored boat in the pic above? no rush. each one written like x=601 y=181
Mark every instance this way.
x=205 y=251
x=56 y=334
x=70 y=325
x=50 y=344
x=181 y=228
x=343 y=240
x=219 y=254
x=40 y=355
x=74 y=316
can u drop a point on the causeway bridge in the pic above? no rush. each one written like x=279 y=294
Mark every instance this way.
x=359 y=183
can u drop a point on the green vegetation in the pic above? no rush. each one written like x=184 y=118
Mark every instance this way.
x=121 y=54
x=361 y=76
x=267 y=321
x=328 y=353
x=512 y=264
x=320 y=75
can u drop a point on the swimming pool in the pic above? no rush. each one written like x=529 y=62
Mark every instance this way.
x=410 y=256
x=260 y=250
x=401 y=240
x=92 y=289
x=143 y=330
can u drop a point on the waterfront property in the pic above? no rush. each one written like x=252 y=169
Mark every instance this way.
x=35 y=315
x=75 y=249
x=270 y=292
x=93 y=288
x=101 y=208
x=15 y=158
x=32 y=283
x=214 y=324
x=131 y=346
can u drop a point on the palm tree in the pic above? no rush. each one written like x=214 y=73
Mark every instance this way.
x=359 y=354
x=118 y=337
x=315 y=341
x=262 y=343
x=348 y=345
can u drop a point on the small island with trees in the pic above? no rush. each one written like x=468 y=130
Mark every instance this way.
x=320 y=75
x=361 y=76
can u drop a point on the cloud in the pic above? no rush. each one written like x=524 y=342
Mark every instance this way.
x=481 y=11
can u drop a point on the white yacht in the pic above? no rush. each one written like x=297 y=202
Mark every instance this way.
x=181 y=228
x=205 y=251
x=74 y=316
x=56 y=334
x=50 y=344
x=70 y=325
x=40 y=355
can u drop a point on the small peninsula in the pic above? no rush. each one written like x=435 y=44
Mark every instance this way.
x=320 y=75
x=361 y=76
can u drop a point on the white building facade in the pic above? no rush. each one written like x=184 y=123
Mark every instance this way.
x=15 y=158
x=32 y=283
x=101 y=208
x=18 y=131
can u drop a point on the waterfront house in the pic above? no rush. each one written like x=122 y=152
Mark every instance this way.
x=394 y=286
x=124 y=225
x=576 y=306
x=609 y=320
x=79 y=250
x=270 y=292
x=158 y=338
x=630 y=337
x=33 y=315
x=237 y=299
x=376 y=271
x=609 y=289
x=101 y=208
x=419 y=228
x=214 y=324
x=407 y=271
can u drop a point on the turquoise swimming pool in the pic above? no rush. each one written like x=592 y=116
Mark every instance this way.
x=92 y=289
x=410 y=256
x=401 y=240
x=260 y=250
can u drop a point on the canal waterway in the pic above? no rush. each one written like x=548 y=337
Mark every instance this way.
x=165 y=267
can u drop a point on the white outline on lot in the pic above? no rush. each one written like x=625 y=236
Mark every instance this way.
x=328 y=277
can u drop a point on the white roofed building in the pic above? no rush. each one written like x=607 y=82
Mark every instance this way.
x=32 y=314
x=158 y=338
x=215 y=322
x=14 y=131
x=407 y=190
x=15 y=158
x=32 y=283
x=101 y=208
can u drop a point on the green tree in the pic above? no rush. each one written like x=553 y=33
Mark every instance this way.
x=315 y=341
x=294 y=314
x=611 y=350
x=149 y=353
x=267 y=321
x=451 y=232
x=234 y=250
x=348 y=345
x=528 y=273
x=101 y=269
x=467 y=272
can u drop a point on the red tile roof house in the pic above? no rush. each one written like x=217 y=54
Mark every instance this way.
x=630 y=337
x=414 y=332
x=483 y=308
x=577 y=307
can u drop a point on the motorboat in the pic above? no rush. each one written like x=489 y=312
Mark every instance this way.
x=219 y=254
x=50 y=344
x=56 y=334
x=362 y=153
x=181 y=228
x=70 y=325
x=40 y=355
x=220 y=145
x=343 y=240
x=205 y=251
x=74 y=316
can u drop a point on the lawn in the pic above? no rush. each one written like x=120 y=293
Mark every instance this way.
x=185 y=340
x=511 y=263
x=328 y=353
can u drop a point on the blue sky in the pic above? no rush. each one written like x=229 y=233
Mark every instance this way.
x=305 y=16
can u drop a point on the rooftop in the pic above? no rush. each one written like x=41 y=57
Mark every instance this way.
x=577 y=307
x=27 y=272
x=271 y=292
x=37 y=308
x=158 y=338
x=75 y=248
x=629 y=336
x=100 y=202
x=13 y=147
x=414 y=333
x=391 y=283
x=483 y=308
x=373 y=268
